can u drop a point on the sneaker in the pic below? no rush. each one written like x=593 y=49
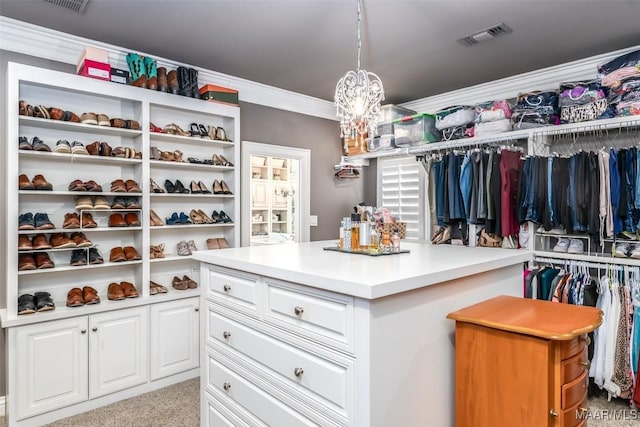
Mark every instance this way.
x=62 y=146
x=38 y=145
x=558 y=230
x=621 y=250
x=26 y=221
x=43 y=222
x=101 y=203
x=576 y=246
x=84 y=202
x=78 y=257
x=626 y=235
x=635 y=251
x=562 y=245
x=77 y=147
x=24 y=144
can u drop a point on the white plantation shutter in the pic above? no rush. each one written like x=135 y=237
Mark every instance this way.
x=401 y=189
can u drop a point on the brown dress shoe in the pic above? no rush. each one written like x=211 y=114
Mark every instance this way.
x=93 y=148
x=87 y=220
x=43 y=260
x=40 y=242
x=61 y=241
x=132 y=220
x=114 y=291
x=191 y=284
x=80 y=240
x=26 y=262
x=129 y=290
x=74 y=298
x=24 y=244
x=24 y=183
x=41 y=183
x=105 y=149
x=71 y=220
x=90 y=295
x=131 y=253
x=117 y=255
x=55 y=113
x=117 y=220
x=118 y=186
x=132 y=186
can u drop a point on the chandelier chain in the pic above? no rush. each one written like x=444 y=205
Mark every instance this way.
x=359 y=38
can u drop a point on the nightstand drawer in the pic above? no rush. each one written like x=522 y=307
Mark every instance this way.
x=235 y=289
x=312 y=377
x=574 y=392
x=572 y=368
x=572 y=347
x=571 y=416
x=251 y=398
x=322 y=316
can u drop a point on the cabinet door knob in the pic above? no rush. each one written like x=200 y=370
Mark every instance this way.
x=226 y=334
x=196 y=309
x=226 y=386
x=226 y=288
x=298 y=372
x=298 y=310
x=583 y=410
x=586 y=364
x=553 y=413
x=94 y=329
x=83 y=331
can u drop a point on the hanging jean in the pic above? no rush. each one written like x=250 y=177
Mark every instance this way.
x=438 y=168
x=465 y=184
x=629 y=177
x=550 y=203
x=528 y=205
x=456 y=204
x=614 y=186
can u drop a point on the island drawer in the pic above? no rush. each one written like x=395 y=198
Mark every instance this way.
x=325 y=383
x=234 y=289
x=322 y=316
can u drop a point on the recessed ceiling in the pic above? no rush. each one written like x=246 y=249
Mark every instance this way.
x=307 y=45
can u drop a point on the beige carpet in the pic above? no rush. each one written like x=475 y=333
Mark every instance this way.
x=179 y=406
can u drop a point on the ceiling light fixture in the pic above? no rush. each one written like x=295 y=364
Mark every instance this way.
x=358 y=96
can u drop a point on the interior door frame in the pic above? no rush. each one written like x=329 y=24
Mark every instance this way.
x=303 y=155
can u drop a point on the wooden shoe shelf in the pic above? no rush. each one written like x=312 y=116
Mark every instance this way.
x=157 y=335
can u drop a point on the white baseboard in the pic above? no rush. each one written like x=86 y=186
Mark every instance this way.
x=2 y=408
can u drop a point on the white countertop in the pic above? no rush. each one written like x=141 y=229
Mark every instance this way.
x=363 y=276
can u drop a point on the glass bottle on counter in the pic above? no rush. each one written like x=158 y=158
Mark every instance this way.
x=355 y=232
x=385 y=243
x=374 y=239
x=341 y=244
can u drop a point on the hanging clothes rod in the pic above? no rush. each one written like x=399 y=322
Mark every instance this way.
x=588 y=264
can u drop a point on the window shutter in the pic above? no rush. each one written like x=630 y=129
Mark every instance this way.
x=401 y=189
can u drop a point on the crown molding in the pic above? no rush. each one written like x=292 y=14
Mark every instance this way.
x=543 y=79
x=22 y=37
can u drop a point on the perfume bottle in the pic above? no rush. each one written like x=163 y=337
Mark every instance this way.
x=341 y=244
x=385 y=243
x=395 y=241
x=374 y=239
x=355 y=232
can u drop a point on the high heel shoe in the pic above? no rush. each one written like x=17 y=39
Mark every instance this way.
x=217 y=187
x=196 y=218
x=203 y=188
x=206 y=217
x=177 y=155
x=217 y=161
x=216 y=217
x=155 y=187
x=195 y=189
x=180 y=188
x=225 y=189
x=211 y=132
x=221 y=135
x=224 y=161
x=155 y=219
x=169 y=186
x=194 y=129
x=225 y=217
x=156 y=154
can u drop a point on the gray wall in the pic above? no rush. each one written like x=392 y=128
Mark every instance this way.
x=331 y=199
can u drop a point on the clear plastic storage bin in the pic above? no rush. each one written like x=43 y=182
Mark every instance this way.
x=415 y=130
x=390 y=112
x=381 y=142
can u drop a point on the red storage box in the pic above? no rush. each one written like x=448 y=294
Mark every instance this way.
x=97 y=70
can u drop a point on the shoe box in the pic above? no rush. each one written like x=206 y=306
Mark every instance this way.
x=120 y=76
x=94 y=62
x=222 y=94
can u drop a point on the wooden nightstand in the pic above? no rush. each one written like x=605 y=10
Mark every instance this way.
x=522 y=362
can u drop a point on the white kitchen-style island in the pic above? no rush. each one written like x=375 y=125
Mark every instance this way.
x=296 y=335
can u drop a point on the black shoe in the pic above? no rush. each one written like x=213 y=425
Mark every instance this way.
x=168 y=185
x=43 y=222
x=193 y=83
x=119 y=203
x=132 y=203
x=26 y=222
x=78 y=257
x=216 y=217
x=24 y=144
x=95 y=257
x=184 y=88
x=26 y=304
x=43 y=301
x=225 y=217
x=179 y=188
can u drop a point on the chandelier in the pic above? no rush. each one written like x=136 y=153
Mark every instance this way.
x=358 y=96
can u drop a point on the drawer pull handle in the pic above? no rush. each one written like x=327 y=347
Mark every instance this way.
x=83 y=331
x=583 y=410
x=587 y=340
x=226 y=334
x=226 y=288
x=94 y=329
x=586 y=364
x=298 y=310
x=226 y=386
x=298 y=372
x=196 y=309
x=553 y=413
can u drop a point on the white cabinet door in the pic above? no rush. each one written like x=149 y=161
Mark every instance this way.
x=175 y=327
x=118 y=348
x=259 y=192
x=51 y=366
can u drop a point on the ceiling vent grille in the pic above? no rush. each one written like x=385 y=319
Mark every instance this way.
x=74 y=5
x=487 y=34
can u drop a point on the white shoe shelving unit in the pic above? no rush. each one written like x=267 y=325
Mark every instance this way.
x=66 y=361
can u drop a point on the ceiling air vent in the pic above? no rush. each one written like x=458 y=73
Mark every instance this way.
x=487 y=34
x=74 y=5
